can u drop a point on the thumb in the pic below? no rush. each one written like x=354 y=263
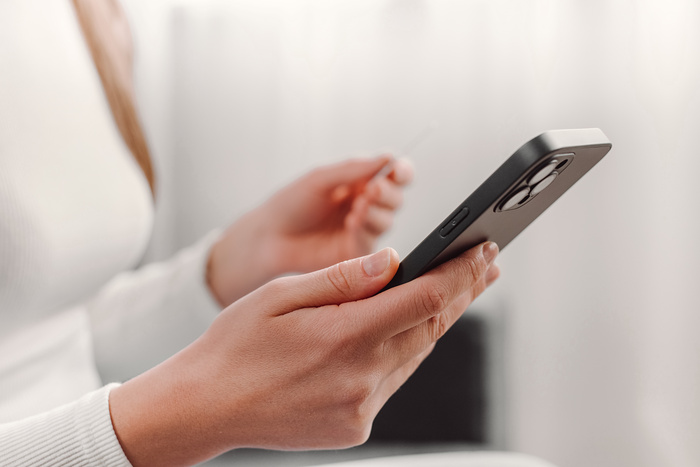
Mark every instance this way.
x=343 y=282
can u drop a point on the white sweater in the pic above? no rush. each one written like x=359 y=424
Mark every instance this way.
x=75 y=217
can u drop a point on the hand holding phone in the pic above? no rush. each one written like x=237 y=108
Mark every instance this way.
x=521 y=189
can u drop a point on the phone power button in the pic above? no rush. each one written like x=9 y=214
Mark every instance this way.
x=450 y=226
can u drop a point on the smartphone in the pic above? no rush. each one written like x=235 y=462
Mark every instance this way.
x=521 y=189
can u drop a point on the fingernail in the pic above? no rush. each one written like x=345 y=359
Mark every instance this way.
x=490 y=252
x=376 y=264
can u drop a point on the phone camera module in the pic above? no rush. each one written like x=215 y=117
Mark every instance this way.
x=535 y=183
x=540 y=187
x=516 y=199
x=543 y=172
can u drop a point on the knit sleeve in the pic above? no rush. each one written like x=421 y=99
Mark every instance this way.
x=77 y=434
x=142 y=317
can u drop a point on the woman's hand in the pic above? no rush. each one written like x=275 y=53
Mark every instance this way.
x=304 y=362
x=332 y=214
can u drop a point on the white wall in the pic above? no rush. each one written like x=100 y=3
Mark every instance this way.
x=242 y=96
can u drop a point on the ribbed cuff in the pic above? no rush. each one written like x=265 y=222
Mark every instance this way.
x=75 y=434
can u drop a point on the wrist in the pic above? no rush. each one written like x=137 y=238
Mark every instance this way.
x=165 y=416
x=240 y=261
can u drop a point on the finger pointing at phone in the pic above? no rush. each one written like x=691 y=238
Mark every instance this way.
x=304 y=362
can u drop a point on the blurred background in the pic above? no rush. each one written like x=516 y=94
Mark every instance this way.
x=598 y=301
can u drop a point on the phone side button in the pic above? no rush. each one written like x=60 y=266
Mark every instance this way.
x=459 y=217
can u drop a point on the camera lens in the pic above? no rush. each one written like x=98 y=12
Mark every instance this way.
x=516 y=199
x=542 y=173
x=543 y=184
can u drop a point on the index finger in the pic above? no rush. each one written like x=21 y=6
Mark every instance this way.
x=406 y=306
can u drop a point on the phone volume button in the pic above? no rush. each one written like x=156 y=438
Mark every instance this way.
x=454 y=222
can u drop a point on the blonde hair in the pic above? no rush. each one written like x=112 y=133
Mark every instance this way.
x=108 y=37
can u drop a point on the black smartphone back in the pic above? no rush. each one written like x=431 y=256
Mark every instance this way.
x=521 y=189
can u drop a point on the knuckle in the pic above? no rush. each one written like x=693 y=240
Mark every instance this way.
x=357 y=390
x=468 y=273
x=472 y=268
x=339 y=277
x=352 y=343
x=334 y=340
x=361 y=434
x=355 y=409
x=347 y=348
x=276 y=287
x=354 y=435
x=437 y=326
x=359 y=423
x=434 y=298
